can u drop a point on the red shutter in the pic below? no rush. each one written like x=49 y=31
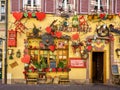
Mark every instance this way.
x=15 y=6
x=117 y=6
x=84 y=6
x=50 y=6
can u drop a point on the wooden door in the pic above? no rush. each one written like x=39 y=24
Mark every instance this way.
x=97 y=67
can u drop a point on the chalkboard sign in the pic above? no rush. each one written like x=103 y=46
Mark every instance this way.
x=115 y=70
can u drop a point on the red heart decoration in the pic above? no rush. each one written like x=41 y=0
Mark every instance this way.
x=52 y=47
x=48 y=29
x=75 y=36
x=102 y=15
x=40 y=15
x=58 y=34
x=18 y=15
x=89 y=48
x=26 y=59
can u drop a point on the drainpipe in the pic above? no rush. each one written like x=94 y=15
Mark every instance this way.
x=6 y=28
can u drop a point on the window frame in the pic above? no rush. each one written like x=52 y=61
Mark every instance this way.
x=32 y=6
x=106 y=5
x=2 y=14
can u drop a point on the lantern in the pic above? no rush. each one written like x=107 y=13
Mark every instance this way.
x=18 y=53
x=118 y=52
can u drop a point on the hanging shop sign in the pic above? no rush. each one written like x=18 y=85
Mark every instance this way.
x=12 y=39
x=77 y=63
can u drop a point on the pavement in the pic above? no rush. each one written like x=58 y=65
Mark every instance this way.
x=58 y=87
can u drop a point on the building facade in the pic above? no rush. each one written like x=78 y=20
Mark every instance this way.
x=73 y=39
x=2 y=37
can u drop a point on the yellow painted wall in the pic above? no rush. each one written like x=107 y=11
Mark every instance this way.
x=75 y=73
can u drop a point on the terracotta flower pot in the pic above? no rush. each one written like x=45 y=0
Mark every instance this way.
x=59 y=69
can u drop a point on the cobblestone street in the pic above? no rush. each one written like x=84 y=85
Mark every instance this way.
x=58 y=87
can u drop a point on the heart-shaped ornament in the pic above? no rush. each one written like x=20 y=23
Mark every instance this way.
x=40 y=15
x=48 y=29
x=26 y=59
x=52 y=47
x=58 y=34
x=18 y=15
x=75 y=36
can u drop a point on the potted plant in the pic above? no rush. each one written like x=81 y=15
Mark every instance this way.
x=60 y=66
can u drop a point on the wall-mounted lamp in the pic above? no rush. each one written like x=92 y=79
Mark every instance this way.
x=18 y=53
x=1 y=41
x=118 y=52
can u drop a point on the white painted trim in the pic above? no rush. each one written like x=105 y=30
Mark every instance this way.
x=54 y=7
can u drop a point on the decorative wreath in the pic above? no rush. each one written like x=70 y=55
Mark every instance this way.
x=103 y=31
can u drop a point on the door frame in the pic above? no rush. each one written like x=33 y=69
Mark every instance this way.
x=104 y=66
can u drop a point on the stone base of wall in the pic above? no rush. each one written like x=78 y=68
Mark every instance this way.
x=78 y=81
x=16 y=81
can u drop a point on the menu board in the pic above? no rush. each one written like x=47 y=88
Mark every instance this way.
x=77 y=63
x=115 y=70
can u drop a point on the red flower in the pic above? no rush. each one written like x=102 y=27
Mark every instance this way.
x=48 y=29
x=29 y=14
x=89 y=47
x=102 y=15
x=58 y=34
x=75 y=36
x=53 y=69
x=59 y=69
x=47 y=69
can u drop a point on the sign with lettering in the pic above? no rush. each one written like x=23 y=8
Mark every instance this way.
x=77 y=63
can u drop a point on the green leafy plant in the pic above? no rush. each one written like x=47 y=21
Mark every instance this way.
x=60 y=64
x=40 y=65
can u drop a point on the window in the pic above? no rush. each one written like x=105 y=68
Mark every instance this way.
x=99 y=6
x=2 y=10
x=32 y=5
